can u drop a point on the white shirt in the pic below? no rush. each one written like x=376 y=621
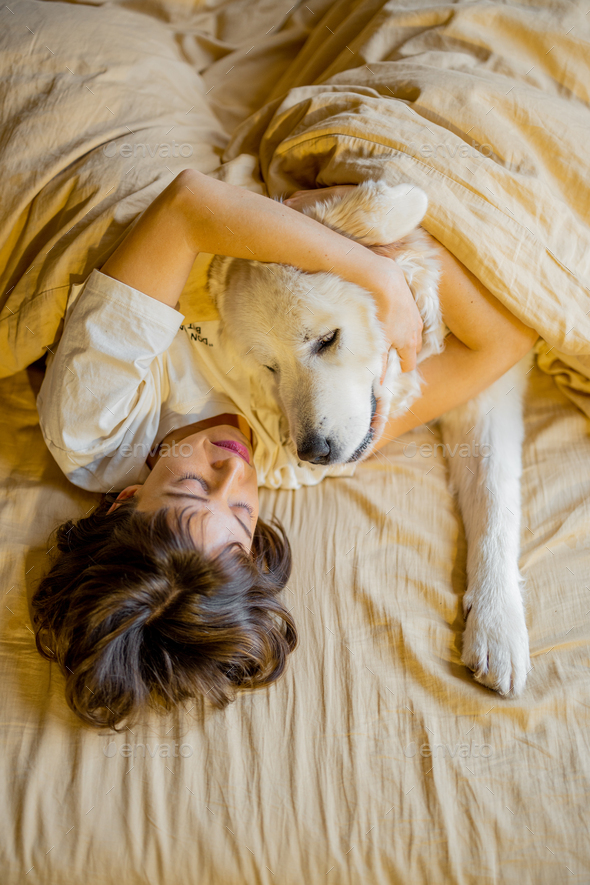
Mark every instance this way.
x=126 y=372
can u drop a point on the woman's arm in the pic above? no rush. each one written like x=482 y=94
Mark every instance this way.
x=485 y=341
x=196 y=213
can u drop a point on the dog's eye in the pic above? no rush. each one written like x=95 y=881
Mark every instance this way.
x=270 y=368
x=327 y=339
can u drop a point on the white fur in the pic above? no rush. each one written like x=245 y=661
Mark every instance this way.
x=274 y=315
x=495 y=642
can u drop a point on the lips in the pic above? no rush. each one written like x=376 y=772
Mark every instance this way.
x=236 y=447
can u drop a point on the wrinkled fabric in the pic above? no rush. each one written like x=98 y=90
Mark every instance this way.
x=377 y=756
x=483 y=105
x=101 y=106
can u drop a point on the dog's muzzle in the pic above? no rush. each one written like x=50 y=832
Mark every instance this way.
x=318 y=449
x=370 y=433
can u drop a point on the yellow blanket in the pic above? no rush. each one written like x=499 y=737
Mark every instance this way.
x=483 y=105
x=98 y=114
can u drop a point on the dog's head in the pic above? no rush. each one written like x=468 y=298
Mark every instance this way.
x=315 y=341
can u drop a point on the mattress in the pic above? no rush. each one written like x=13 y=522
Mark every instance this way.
x=376 y=758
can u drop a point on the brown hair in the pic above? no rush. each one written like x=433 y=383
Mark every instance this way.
x=132 y=610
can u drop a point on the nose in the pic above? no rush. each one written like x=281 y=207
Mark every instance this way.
x=314 y=448
x=227 y=471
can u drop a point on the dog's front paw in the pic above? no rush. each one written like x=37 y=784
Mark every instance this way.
x=397 y=211
x=388 y=213
x=374 y=213
x=496 y=642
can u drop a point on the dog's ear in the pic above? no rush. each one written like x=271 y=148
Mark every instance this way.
x=227 y=277
x=374 y=213
x=248 y=295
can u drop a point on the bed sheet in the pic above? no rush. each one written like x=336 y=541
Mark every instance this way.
x=376 y=758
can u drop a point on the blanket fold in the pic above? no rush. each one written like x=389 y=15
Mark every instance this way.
x=483 y=105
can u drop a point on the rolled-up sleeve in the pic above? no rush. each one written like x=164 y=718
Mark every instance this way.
x=105 y=383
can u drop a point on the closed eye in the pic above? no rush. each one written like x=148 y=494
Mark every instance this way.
x=247 y=507
x=205 y=486
x=270 y=368
x=327 y=340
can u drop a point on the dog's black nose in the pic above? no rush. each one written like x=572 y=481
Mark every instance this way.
x=314 y=448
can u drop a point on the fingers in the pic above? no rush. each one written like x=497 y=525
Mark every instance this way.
x=384 y=367
x=407 y=358
x=408 y=354
x=294 y=199
x=409 y=346
x=389 y=250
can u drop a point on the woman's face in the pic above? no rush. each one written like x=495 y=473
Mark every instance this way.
x=209 y=473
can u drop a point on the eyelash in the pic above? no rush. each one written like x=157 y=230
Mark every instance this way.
x=247 y=507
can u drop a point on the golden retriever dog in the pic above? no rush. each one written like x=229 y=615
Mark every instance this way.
x=317 y=341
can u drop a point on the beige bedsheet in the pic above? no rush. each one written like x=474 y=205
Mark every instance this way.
x=328 y=776
x=376 y=759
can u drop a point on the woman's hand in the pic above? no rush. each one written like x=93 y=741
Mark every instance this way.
x=484 y=341
x=396 y=308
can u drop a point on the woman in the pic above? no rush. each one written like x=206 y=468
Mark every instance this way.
x=170 y=589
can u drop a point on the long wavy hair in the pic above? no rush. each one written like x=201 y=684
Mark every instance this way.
x=132 y=611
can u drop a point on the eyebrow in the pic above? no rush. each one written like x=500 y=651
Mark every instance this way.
x=206 y=501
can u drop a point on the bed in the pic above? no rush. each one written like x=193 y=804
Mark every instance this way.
x=376 y=759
